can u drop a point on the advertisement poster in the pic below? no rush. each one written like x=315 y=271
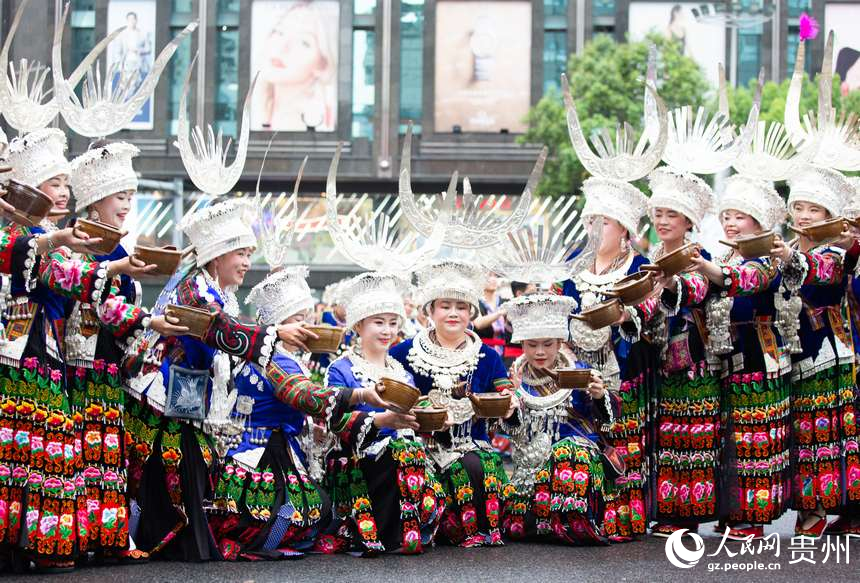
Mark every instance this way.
x=483 y=66
x=294 y=46
x=704 y=43
x=842 y=19
x=130 y=56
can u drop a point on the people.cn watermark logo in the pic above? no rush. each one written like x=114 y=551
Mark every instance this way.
x=679 y=555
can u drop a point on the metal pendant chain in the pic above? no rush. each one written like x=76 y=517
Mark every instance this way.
x=369 y=374
x=231 y=304
x=441 y=364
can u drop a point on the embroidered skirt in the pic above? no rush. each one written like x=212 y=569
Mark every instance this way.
x=97 y=402
x=273 y=511
x=392 y=503
x=825 y=451
x=687 y=448
x=755 y=457
x=566 y=504
x=40 y=455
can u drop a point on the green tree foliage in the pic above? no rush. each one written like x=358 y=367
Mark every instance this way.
x=607 y=81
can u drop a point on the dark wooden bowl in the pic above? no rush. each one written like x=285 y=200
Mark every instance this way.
x=633 y=289
x=430 y=419
x=32 y=205
x=329 y=341
x=110 y=235
x=675 y=262
x=166 y=258
x=601 y=315
x=197 y=320
x=822 y=230
x=490 y=405
x=400 y=396
x=752 y=246
x=573 y=378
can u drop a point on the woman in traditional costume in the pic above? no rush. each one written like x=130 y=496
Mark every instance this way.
x=448 y=363
x=383 y=483
x=621 y=354
x=557 y=488
x=686 y=425
x=746 y=330
x=824 y=453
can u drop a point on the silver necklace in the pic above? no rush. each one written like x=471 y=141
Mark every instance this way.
x=445 y=366
x=368 y=373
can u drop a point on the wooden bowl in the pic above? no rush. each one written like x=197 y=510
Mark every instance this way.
x=197 y=320
x=400 y=396
x=96 y=229
x=853 y=221
x=166 y=258
x=822 y=230
x=329 y=341
x=601 y=315
x=430 y=419
x=675 y=262
x=752 y=246
x=32 y=205
x=490 y=405
x=573 y=378
x=633 y=289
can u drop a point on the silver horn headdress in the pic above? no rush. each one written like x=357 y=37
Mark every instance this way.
x=837 y=137
x=623 y=158
x=105 y=106
x=24 y=101
x=377 y=244
x=700 y=143
x=472 y=225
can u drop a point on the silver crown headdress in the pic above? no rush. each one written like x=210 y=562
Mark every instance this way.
x=277 y=220
x=680 y=191
x=101 y=172
x=539 y=316
x=106 y=105
x=24 y=101
x=822 y=186
x=38 y=156
x=755 y=197
x=473 y=225
x=621 y=159
x=450 y=280
x=280 y=295
x=220 y=228
x=373 y=293
x=771 y=155
x=837 y=138
x=698 y=143
x=378 y=244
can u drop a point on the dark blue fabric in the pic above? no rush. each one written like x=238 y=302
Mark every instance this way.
x=580 y=402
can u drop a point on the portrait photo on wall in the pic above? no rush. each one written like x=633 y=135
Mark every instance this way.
x=294 y=46
x=842 y=19
x=483 y=65
x=130 y=56
x=705 y=43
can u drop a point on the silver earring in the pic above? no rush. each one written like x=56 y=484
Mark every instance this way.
x=93 y=214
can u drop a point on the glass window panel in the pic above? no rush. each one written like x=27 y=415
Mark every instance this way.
x=602 y=8
x=749 y=55
x=178 y=69
x=791 y=53
x=227 y=79
x=364 y=7
x=554 y=58
x=554 y=8
x=183 y=6
x=795 y=7
x=363 y=90
x=411 y=60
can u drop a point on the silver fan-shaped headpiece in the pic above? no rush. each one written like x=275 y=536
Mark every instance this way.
x=700 y=143
x=24 y=101
x=377 y=244
x=206 y=159
x=622 y=158
x=771 y=155
x=531 y=255
x=472 y=226
x=105 y=106
x=837 y=138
